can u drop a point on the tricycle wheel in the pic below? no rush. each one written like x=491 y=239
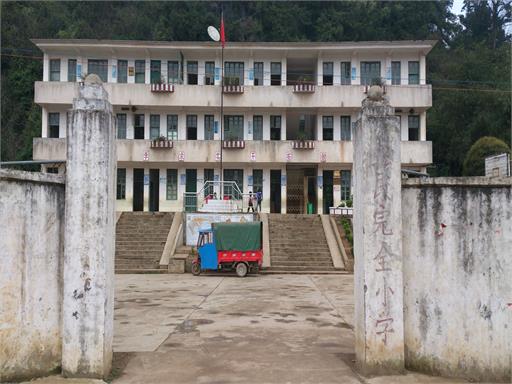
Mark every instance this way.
x=241 y=269
x=196 y=269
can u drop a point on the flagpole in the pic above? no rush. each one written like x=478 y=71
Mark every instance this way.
x=222 y=42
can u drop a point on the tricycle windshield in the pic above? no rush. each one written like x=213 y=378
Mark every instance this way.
x=205 y=237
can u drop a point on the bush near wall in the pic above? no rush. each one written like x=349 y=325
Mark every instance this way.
x=474 y=163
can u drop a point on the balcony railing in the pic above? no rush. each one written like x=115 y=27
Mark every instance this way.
x=164 y=88
x=303 y=144
x=161 y=143
x=304 y=88
x=233 y=144
x=233 y=89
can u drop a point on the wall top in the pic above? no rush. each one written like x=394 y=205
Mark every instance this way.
x=475 y=181
x=37 y=177
x=91 y=95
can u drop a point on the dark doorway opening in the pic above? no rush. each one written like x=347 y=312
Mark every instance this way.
x=328 y=178
x=191 y=186
x=275 y=191
x=138 y=189
x=154 y=193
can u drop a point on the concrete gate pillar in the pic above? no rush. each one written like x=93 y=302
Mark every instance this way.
x=88 y=292
x=379 y=328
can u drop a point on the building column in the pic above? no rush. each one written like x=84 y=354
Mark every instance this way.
x=283 y=189
x=379 y=327
x=320 y=190
x=423 y=126
x=423 y=70
x=129 y=188
x=44 y=122
x=283 y=125
x=88 y=268
x=146 y=188
x=265 y=204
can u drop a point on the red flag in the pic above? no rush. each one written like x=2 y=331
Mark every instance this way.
x=222 y=34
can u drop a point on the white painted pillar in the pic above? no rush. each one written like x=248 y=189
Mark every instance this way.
x=46 y=67
x=265 y=204
x=320 y=190
x=423 y=70
x=146 y=188
x=88 y=270
x=283 y=189
x=283 y=125
x=423 y=126
x=44 y=122
x=379 y=327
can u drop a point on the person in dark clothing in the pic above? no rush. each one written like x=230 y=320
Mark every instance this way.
x=259 y=198
x=251 y=204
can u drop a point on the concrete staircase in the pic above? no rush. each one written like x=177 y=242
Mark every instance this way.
x=140 y=241
x=298 y=245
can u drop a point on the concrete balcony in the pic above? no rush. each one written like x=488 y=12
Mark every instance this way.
x=140 y=95
x=414 y=153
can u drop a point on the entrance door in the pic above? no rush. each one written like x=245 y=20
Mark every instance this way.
x=138 y=189
x=154 y=192
x=328 y=191
x=275 y=191
x=294 y=190
x=191 y=186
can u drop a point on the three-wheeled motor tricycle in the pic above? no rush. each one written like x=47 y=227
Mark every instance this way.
x=229 y=246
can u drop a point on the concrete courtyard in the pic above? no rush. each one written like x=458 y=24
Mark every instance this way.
x=223 y=329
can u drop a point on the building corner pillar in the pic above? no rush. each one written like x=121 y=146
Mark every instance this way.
x=378 y=285
x=88 y=269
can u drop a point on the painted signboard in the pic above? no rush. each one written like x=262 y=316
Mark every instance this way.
x=197 y=221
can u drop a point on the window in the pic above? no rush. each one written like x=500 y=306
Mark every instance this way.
x=236 y=175
x=414 y=72
x=345 y=73
x=395 y=73
x=345 y=185
x=275 y=73
x=53 y=125
x=233 y=73
x=156 y=71
x=121 y=184
x=140 y=71
x=257 y=180
x=414 y=127
x=258 y=73
x=154 y=127
x=191 y=127
x=327 y=127
x=52 y=170
x=209 y=73
x=121 y=126
x=172 y=127
x=370 y=72
x=208 y=176
x=345 y=125
x=72 y=70
x=208 y=127
x=173 y=72
x=122 y=71
x=233 y=127
x=172 y=184
x=138 y=127
x=54 y=69
x=192 y=72
x=98 y=67
x=257 y=127
x=327 y=73
x=275 y=127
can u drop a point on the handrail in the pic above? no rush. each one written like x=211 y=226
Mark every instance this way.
x=193 y=200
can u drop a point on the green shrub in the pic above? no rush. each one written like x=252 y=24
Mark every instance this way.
x=474 y=163
x=347 y=227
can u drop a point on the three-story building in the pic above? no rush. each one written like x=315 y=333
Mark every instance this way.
x=288 y=114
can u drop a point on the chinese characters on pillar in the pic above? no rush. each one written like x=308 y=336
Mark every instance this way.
x=382 y=230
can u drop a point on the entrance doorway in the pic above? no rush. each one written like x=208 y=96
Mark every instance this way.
x=275 y=191
x=328 y=178
x=191 y=186
x=138 y=189
x=300 y=190
x=154 y=193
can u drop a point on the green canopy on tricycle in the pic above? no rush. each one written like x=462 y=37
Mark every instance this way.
x=237 y=236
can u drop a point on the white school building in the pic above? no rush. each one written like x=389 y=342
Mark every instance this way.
x=288 y=114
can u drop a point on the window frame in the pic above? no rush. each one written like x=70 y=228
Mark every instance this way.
x=72 y=70
x=257 y=181
x=154 y=126
x=191 y=128
x=171 y=184
x=54 y=73
x=259 y=73
x=101 y=68
x=412 y=129
x=415 y=77
x=275 y=77
x=257 y=127
x=234 y=73
x=367 y=66
x=326 y=129
x=209 y=73
x=121 y=184
x=328 y=79
x=173 y=72
x=346 y=80
x=345 y=135
x=209 y=127
x=121 y=127
x=155 y=71
x=275 y=127
x=172 y=127
x=346 y=185
x=52 y=127
x=192 y=75
x=233 y=127
x=122 y=71
x=396 y=78
x=140 y=71
x=137 y=118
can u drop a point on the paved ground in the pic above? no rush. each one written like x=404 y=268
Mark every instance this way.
x=214 y=329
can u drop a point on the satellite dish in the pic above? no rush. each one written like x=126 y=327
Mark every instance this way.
x=213 y=33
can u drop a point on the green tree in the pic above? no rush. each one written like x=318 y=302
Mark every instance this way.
x=474 y=163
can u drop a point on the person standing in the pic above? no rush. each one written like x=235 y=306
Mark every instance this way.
x=259 y=198
x=251 y=204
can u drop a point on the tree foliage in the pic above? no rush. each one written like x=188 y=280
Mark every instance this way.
x=474 y=163
x=471 y=54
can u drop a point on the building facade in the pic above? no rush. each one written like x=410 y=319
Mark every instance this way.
x=288 y=114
